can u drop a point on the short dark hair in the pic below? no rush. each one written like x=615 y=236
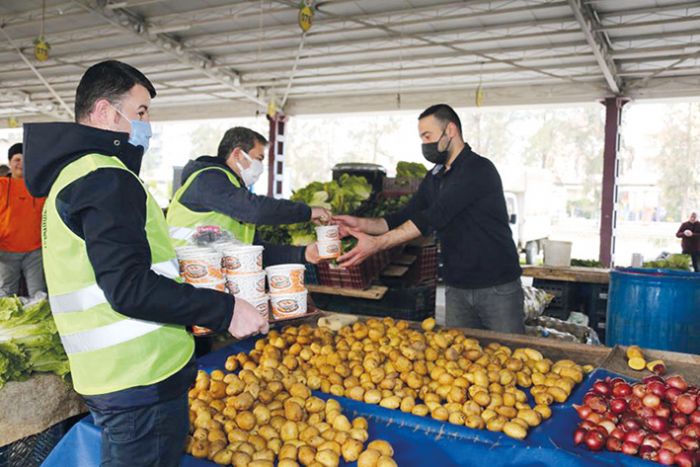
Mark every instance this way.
x=109 y=80
x=444 y=114
x=14 y=149
x=239 y=137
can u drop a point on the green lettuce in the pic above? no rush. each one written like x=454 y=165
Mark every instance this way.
x=29 y=341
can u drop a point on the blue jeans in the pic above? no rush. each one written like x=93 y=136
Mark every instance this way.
x=498 y=308
x=152 y=435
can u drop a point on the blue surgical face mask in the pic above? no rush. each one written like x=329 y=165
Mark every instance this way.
x=140 y=131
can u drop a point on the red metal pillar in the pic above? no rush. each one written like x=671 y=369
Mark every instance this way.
x=275 y=164
x=608 y=214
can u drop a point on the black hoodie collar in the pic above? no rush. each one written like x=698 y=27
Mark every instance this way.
x=207 y=161
x=49 y=147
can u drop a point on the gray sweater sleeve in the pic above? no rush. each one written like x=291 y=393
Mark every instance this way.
x=212 y=191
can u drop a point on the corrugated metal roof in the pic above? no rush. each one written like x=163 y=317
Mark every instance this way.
x=212 y=58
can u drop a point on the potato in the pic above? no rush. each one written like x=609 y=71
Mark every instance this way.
x=288 y=451
x=496 y=423
x=306 y=455
x=373 y=396
x=391 y=402
x=200 y=448
x=359 y=434
x=428 y=324
x=420 y=410
x=351 y=450
x=382 y=446
x=544 y=399
x=262 y=414
x=293 y=411
x=532 y=417
x=368 y=458
x=245 y=420
x=341 y=423
x=407 y=404
x=258 y=442
x=223 y=457
x=558 y=394
x=216 y=435
x=287 y=463
x=385 y=461
x=243 y=401
x=508 y=412
x=440 y=413
x=356 y=393
x=289 y=431
x=482 y=398
x=246 y=447
x=514 y=430
x=264 y=455
x=474 y=421
x=261 y=463
x=240 y=458
x=300 y=390
x=457 y=418
x=544 y=411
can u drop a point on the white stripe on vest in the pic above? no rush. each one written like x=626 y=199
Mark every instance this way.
x=92 y=295
x=107 y=336
x=181 y=233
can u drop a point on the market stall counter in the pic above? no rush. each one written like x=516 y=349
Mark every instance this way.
x=421 y=440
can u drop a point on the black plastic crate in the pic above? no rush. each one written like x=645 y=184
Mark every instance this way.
x=411 y=303
x=564 y=298
x=32 y=450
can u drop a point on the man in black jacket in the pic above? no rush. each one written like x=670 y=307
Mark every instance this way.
x=461 y=199
x=106 y=212
x=240 y=153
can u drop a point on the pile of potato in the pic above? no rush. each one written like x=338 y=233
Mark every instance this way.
x=443 y=374
x=266 y=415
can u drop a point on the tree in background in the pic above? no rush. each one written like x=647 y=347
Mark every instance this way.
x=487 y=132
x=569 y=142
x=678 y=161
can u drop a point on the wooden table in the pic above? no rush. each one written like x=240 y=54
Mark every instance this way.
x=568 y=274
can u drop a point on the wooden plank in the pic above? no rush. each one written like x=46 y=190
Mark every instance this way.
x=568 y=274
x=394 y=271
x=375 y=292
x=676 y=363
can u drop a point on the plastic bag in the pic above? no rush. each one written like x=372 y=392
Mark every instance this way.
x=536 y=300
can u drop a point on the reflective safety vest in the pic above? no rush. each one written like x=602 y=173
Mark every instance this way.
x=184 y=222
x=107 y=351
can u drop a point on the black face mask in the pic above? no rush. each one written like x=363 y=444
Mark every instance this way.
x=431 y=152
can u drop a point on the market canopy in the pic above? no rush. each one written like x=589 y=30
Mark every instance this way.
x=215 y=58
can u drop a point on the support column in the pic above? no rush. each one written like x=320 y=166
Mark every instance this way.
x=275 y=164
x=608 y=203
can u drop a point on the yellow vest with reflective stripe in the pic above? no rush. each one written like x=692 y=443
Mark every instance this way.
x=183 y=221
x=107 y=351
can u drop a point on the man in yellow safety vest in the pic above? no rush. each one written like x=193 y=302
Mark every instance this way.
x=119 y=304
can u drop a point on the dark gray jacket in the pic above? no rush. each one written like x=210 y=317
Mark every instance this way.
x=212 y=191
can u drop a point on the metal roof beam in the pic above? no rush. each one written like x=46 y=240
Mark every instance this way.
x=648 y=10
x=586 y=18
x=22 y=100
x=172 y=46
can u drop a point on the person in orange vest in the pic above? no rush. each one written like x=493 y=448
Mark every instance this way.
x=20 y=231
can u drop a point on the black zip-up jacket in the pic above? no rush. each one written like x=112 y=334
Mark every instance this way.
x=212 y=191
x=466 y=207
x=107 y=209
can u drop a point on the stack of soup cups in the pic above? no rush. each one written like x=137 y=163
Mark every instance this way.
x=287 y=291
x=329 y=245
x=201 y=267
x=245 y=277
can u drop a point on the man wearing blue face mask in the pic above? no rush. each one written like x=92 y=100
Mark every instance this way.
x=461 y=200
x=215 y=192
x=116 y=296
